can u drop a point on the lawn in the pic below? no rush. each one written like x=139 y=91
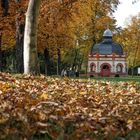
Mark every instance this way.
x=117 y=79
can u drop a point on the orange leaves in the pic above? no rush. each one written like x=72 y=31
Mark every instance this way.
x=8 y=22
x=66 y=108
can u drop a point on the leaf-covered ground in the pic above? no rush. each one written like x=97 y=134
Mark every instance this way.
x=33 y=108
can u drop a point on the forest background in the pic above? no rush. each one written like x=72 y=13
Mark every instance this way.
x=67 y=29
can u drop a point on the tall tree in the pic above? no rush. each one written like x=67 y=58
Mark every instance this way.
x=31 y=65
x=0 y=50
x=47 y=61
x=5 y=8
x=19 y=46
x=20 y=24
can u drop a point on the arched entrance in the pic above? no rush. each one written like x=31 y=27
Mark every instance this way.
x=105 y=70
x=119 y=68
x=92 y=67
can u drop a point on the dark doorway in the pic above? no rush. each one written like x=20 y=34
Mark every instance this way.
x=105 y=70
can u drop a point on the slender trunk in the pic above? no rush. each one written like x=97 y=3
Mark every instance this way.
x=58 y=61
x=75 y=59
x=5 y=8
x=80 y=63
x=0 y=51
x=31 y=65
x=19 y=46
x=47 y=61
x=5 y=55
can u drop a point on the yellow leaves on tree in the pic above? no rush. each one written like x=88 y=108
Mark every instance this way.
x=129 y=37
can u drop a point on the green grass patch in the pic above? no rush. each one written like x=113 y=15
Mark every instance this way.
x=118 y=79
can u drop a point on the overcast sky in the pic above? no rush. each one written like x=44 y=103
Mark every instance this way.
x=126 y=9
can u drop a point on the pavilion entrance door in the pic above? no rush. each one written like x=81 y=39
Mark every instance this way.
x=105 y=71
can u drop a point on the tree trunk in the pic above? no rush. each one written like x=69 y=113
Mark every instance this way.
x=75 y=59
x=58 y=61
x=19 y=46
x=0 y=51
x=31 y=65
x=47 y=61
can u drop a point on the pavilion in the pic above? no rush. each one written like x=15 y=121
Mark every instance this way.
x=107 y=58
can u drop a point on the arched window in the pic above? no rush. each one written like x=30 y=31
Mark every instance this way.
x=92 y=67
x=119 y=68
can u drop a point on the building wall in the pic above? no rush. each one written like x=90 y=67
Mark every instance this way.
x=107 y=59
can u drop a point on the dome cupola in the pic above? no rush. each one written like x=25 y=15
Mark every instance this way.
x=107 y=33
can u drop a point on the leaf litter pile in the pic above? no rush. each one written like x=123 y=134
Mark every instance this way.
x=33 y=108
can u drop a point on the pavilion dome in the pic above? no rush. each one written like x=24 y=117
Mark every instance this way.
x=107 y=46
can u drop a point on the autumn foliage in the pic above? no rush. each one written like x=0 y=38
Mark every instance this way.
x=129 y=37
x=39 y=107
x=67 y=109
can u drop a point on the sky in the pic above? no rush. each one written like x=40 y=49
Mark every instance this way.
x=125 y=10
